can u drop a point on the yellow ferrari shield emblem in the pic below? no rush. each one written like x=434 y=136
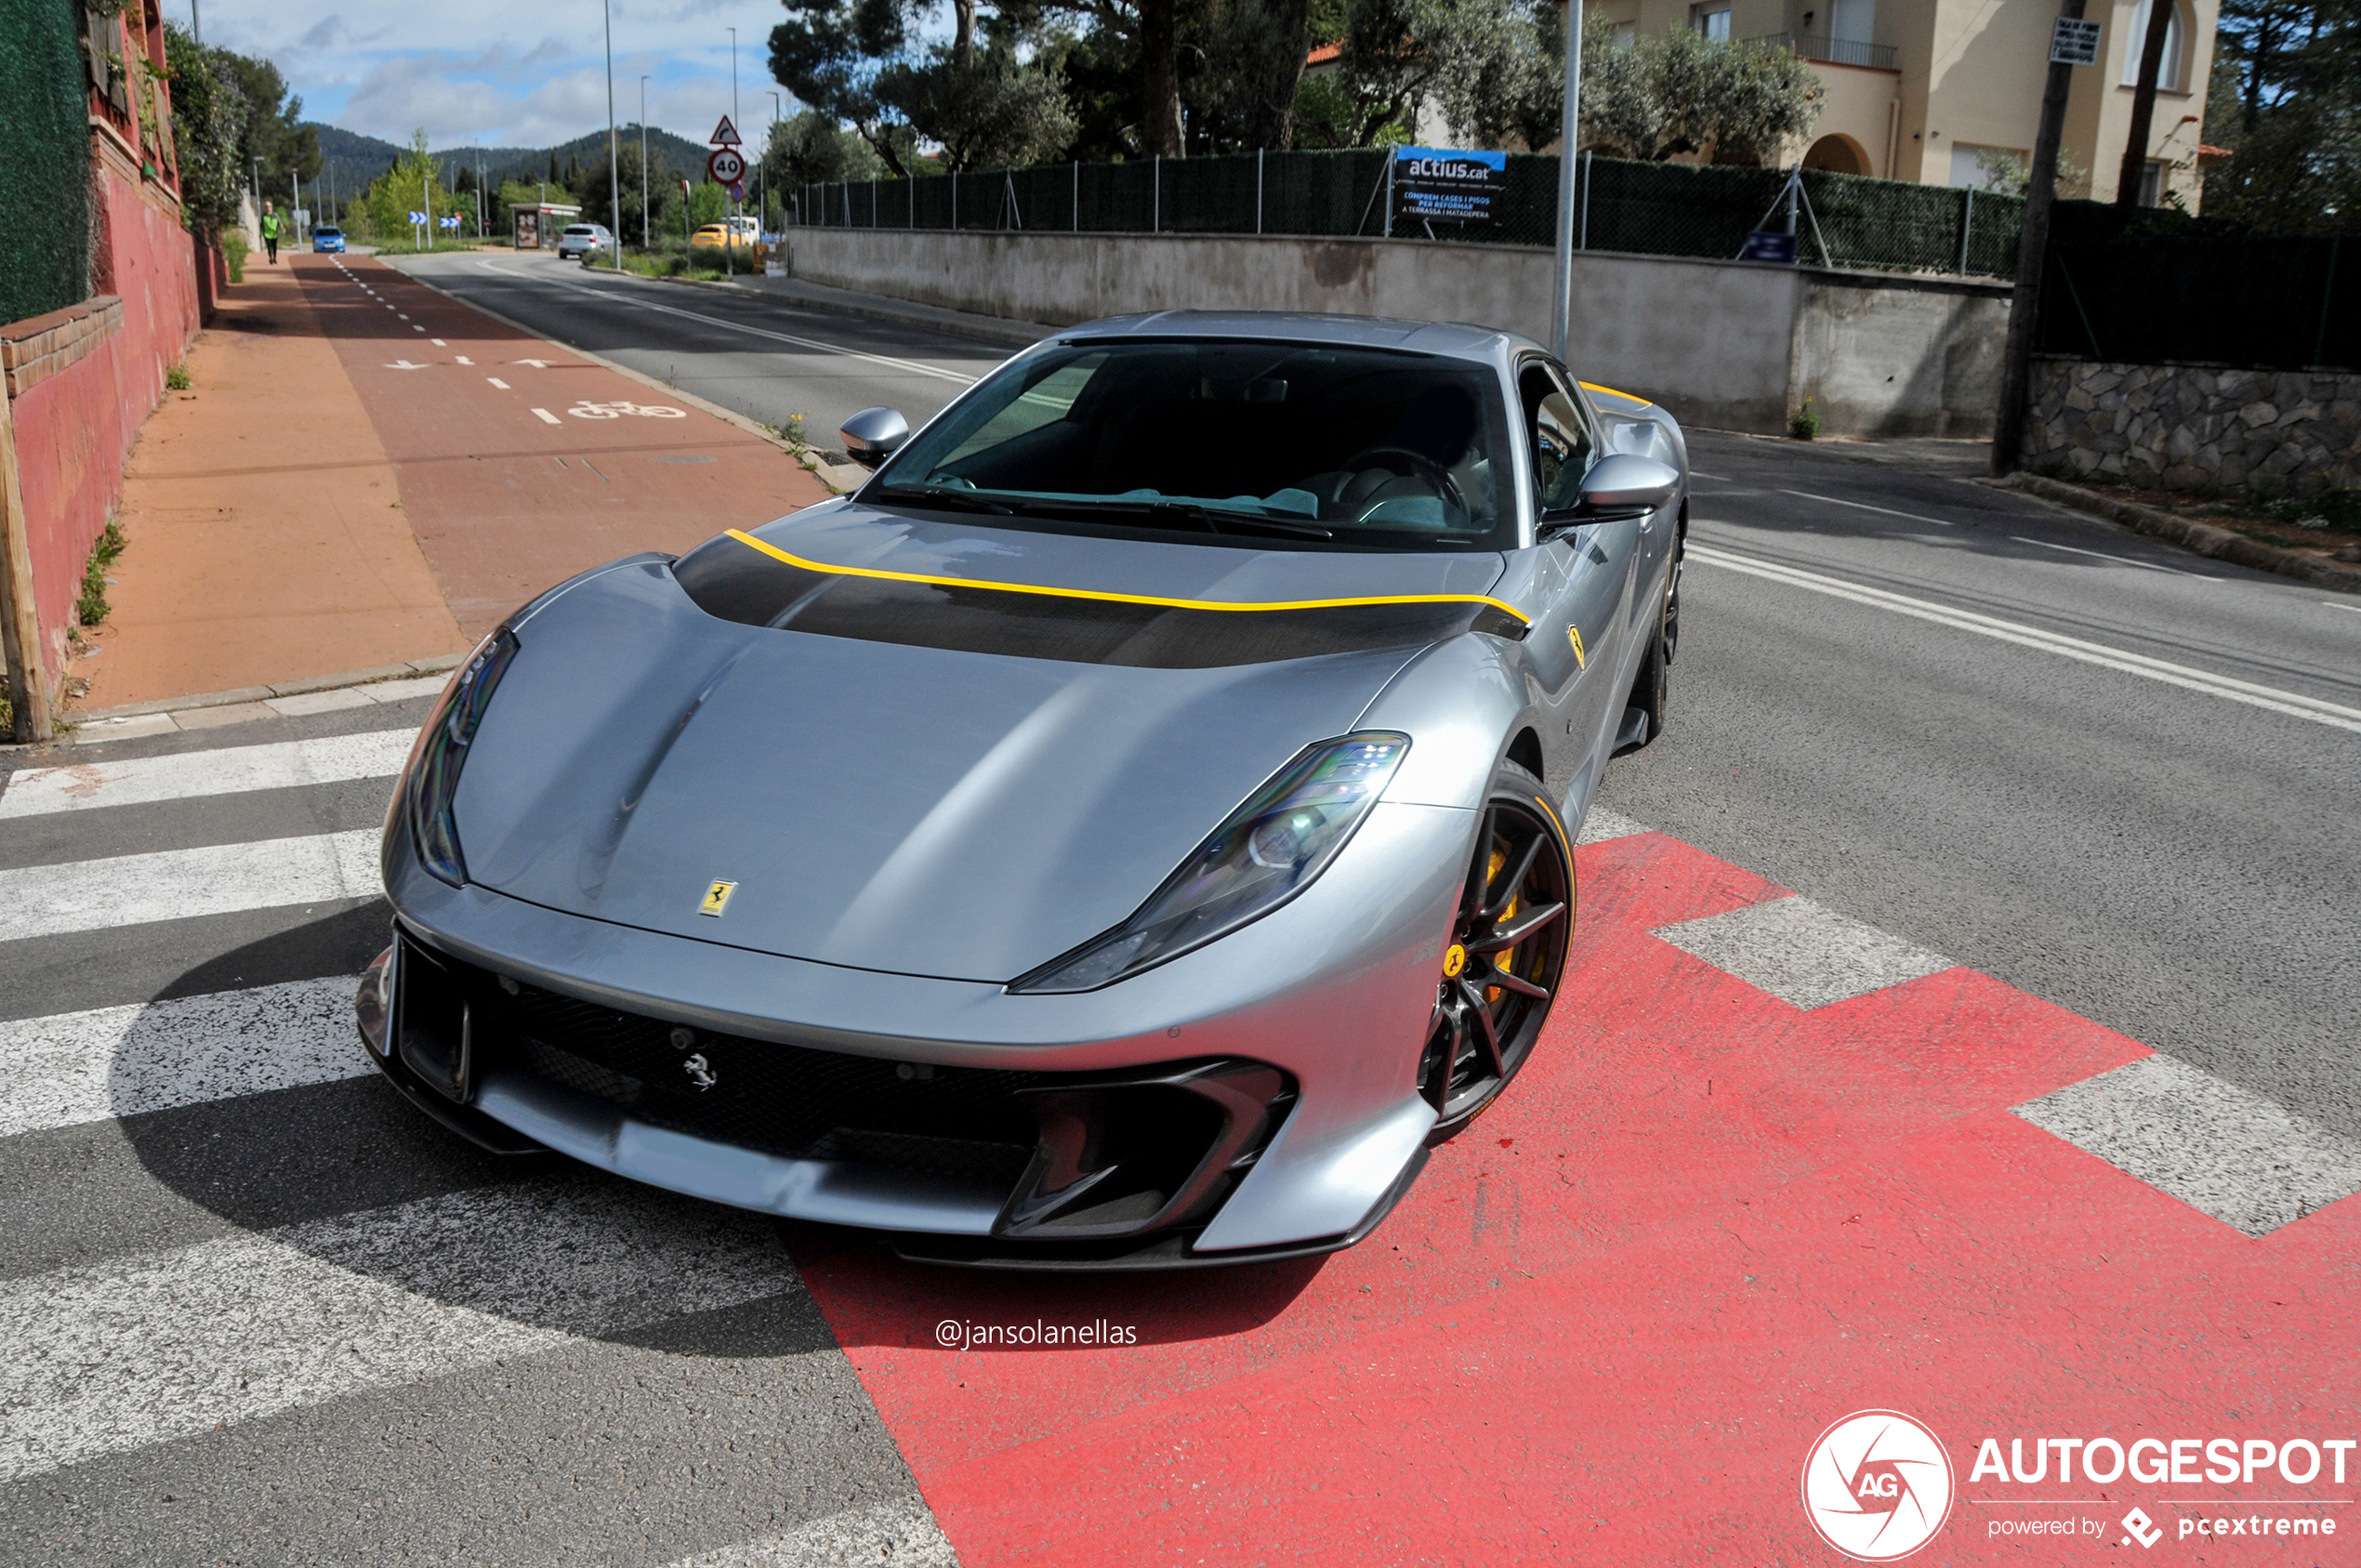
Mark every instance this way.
x=1453 y=960
x=717 y=899
x=1574 y=635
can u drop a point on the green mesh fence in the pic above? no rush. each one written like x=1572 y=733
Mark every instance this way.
x=1656 y=209
x=45 y=160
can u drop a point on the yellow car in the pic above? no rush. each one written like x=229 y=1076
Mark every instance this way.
x=714 y=237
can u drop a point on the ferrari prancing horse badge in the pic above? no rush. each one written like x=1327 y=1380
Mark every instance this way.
x=717 y=899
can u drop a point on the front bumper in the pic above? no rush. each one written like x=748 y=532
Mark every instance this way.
x=1304 y=1038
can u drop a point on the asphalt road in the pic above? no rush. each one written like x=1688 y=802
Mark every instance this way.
x=2174 y=862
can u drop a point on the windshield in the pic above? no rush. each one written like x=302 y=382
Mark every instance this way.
x=1357 y=448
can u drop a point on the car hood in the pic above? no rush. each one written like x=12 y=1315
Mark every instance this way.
x=879 y=799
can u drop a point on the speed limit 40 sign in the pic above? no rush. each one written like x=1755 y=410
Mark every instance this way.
x=726 y=166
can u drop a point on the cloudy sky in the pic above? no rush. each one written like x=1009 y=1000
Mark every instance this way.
x=511 y=74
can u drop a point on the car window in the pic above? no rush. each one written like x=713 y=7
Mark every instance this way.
x=1334 y=444
x=1563 y=446
x=581 y=229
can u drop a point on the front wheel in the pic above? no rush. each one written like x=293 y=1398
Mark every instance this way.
x=1506 y=956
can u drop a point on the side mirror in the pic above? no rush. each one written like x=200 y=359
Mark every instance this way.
x=872 y=435
x=1617 y=487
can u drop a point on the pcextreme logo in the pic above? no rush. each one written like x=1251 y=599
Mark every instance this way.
x=1877 y=1485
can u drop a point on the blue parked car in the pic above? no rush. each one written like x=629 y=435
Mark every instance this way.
x=327 y=237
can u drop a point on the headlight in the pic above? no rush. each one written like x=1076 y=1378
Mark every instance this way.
x=432 y=778
x=1268 y=851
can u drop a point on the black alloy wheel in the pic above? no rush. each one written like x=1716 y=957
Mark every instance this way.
x=1506 y=956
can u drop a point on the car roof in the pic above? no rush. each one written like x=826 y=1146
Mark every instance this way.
x=1450 y=340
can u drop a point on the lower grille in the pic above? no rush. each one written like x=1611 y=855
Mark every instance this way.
x=771 y=1097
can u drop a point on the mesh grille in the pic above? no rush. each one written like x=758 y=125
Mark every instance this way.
x=779 y=1100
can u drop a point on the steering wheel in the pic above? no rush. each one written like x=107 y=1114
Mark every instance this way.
x=1413 y=465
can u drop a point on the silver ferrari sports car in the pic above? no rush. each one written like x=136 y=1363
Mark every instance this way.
x=1128 y=832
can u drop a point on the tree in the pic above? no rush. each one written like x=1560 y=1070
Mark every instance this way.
x=811 y=148
x=2282 y=100
x=1502 y=73
x=382 y=211
x=829 y=53
x=209 y=116
x=1678 y=91
x=981 y=103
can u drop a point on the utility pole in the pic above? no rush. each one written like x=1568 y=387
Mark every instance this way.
x=1569 y=134
x=196 y=27
x=2033 y=250
x=728 y=228
x=765 y=165
x=645 y=238
x=614 y=186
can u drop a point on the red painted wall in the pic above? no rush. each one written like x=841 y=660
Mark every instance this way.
x=74 y=429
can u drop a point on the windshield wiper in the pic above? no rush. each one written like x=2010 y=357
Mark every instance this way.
x=944 y=497
x=1213 y=520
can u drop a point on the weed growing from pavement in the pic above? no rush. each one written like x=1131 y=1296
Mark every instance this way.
x=1805 y=425
x=177 y=379
x=90 y=609
x=234 y=252
x=791 y=431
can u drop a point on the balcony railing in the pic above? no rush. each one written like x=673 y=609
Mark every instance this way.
x=1836 y=51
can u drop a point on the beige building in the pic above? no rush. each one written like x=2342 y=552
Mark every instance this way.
x=1936 y=91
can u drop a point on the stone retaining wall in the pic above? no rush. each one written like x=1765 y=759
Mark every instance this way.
x=2191 y=428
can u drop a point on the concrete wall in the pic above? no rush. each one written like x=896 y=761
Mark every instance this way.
x=2194 y=427
x=1723 y=343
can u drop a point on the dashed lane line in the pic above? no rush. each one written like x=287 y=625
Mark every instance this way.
x=547 y=417
x=223 y=771
x=1801 y=952
x=2294 y=705
x=902 y=1534
x=2118 y=559
x=1864 y=506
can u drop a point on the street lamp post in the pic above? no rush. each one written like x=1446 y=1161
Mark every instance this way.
x=614 y=187
x=767 y=141
x=645 y=238
x=729 y=225
x=1569 y=134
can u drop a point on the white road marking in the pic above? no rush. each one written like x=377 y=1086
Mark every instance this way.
x=143 y=1349
x=1700 y=473
x=617 y=296
x=2296 y=706
x=1601 y=825
x=903 y=1534
x=2246 y=1160
x=547 y=417
x=437 y=342
x=1864 y=506
x=178 y=883
x=464 y=360
x=2334 y=605
x=2118 y=559
x=228 y=771
x=498 y=382
x=1801 y=952
x=73 y=1067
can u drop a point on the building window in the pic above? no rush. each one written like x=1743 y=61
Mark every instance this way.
x=2168 y=69
x=1987 y=169
x=2151 y=183
x=1711 y=19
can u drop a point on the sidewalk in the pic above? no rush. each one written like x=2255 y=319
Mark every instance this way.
x=265 y=539
x=365 y=475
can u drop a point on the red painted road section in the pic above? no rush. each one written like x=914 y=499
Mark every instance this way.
x=505 y=502
x=1611 y=1319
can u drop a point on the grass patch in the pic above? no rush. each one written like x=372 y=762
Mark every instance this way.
x=233 y=251
x=90 y=606
x=175 y=378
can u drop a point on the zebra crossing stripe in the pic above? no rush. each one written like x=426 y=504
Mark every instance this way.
x=228 y=771
x=73 y=1067
x=903 y=1534
x=140 y=1350
x=177 y=884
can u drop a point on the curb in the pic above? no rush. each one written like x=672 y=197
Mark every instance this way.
x=728 y=416
x=2201 y=539
x=384 y=683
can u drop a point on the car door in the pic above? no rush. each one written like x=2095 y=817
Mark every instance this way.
x=1580 y=648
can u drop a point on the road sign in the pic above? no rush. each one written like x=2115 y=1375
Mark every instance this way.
x=417 y=217
x=2073 y=42
x=724 y=134
x=1769 y=245
x=726 y=167
x=737 y=189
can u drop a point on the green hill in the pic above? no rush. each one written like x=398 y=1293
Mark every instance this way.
x=350 y=161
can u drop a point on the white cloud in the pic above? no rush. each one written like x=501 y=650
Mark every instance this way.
x=503 y=72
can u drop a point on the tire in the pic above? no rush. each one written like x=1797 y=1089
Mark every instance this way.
x=1519 y=885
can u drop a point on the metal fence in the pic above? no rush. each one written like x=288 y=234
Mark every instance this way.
x=45 y=162
x=1659 y=209
x=2135 y=291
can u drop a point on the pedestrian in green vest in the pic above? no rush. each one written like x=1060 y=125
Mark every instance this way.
x=270 y=227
